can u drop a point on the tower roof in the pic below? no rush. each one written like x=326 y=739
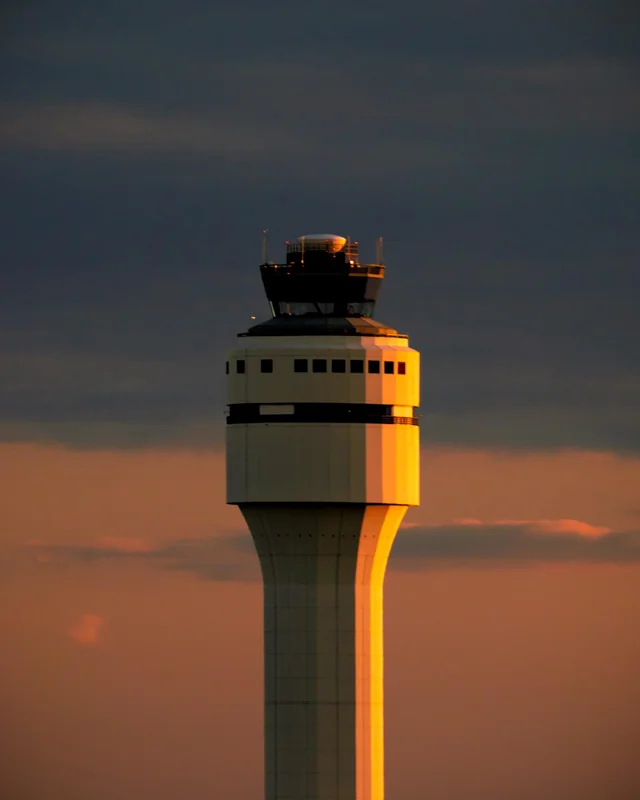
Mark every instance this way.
x=320 y=325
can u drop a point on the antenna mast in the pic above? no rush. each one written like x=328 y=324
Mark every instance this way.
x=265 y=244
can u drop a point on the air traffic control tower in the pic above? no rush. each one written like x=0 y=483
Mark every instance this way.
x=322 y=459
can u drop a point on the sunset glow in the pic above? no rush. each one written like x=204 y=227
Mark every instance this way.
x=160 y=163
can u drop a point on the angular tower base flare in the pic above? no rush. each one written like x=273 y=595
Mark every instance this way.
x=323 y=568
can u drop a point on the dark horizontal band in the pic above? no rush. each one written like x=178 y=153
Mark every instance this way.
x=367 y=413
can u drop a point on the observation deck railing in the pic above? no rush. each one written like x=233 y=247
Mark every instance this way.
x=354 y=269
x=350 y=249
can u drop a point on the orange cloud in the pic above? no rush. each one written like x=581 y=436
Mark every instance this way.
x=468 y=540
x=560 y=526
x=532 y=525
x=87 y=630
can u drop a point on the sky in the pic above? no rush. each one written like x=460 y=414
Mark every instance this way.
x=143 y=148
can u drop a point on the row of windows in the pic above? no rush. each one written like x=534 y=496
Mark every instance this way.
x=356 y=365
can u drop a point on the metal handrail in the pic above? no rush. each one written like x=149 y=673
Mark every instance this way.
x=349 y=249
x=371 y=269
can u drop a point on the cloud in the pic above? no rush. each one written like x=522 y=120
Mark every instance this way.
x=471 y=541
x=497 y=154
x=91 y=400
x=87 y=630
x=463 y=541
x=478 y=390
x=526 y=426
x=554 y=526
x=123 y=545
x=105 y=547
x=97 y=126
x=245 y=113
x=540 y=525
x=219 y=558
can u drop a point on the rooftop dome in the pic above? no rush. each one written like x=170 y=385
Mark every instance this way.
x=332 y=242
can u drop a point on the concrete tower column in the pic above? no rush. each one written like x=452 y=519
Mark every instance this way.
x=323 y=569
x=322 y=460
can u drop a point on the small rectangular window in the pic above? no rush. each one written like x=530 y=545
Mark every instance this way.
x=277 y=409
x=357 y=365
x=226 y=367
x=374 y=367
x=240 y=366
x=402 y=368
x=300 y=365
x=266 y=365
x=319 y=364
x=388 y=367
x=338 y=365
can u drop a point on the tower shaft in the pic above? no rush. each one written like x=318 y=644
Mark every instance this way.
x=323 y=569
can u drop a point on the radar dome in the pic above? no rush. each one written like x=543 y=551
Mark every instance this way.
x=334 y=243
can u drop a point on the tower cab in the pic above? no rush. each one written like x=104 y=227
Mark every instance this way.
x=321 y=392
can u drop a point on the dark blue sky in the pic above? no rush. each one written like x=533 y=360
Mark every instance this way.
x=143 y=147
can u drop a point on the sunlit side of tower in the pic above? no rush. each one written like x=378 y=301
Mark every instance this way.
x=322 y=459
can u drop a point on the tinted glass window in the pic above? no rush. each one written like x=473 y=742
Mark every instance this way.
x=357 y=365
x=388 y=367
x=338 y=365
x=299 y=309
x=402 y=368
x=364 y=309
x=319 y=364
x=300 y=365
x=240 y=366
x=266 y=365
x=374 y=366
